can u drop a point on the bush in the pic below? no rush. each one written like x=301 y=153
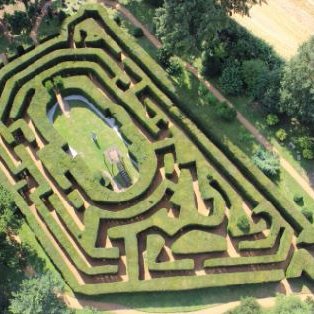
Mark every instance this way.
x=164 y=56
x=243 y=224
x=272 y=119
x=211 y=65
x=281 y=135
x=175 y=67
x=230 y=80
x=225 y=112
x=137 y=32
x=267 y=161
x=298 y=199
x=308 y=214
x=248 y=306
x=308 y=154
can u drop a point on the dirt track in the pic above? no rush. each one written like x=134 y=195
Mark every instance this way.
x=285 y=24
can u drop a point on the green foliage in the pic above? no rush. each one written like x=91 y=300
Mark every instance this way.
x=19 y=22
x=230 y=80
x=297 y=97
x=291 y=305
x=267 y=161
x=175 y=67
x=137 y=32
x=272 y=119
x=58 y=83
x=306 y=144
x=298 y=199
x=185 y=25
x=39 y=295
x=211 y=64
x=308 y=214
x=281 y=135
x=308 y=154
x=243 y=224
x=225 y=112
x=254 y=73
x=248 y=305
x=9 y=219
x=164 y=56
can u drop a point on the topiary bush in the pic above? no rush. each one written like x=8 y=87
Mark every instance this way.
x=243 y=224
x=308 y=214
x=298 y=199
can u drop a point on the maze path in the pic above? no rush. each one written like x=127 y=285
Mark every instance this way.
x=176 y=226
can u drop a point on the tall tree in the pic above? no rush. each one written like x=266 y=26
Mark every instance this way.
x=185 y=25
x=297 y=93
x=39 y=295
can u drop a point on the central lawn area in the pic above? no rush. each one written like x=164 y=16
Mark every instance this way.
x=77 y=129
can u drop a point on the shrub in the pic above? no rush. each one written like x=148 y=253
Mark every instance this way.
x=164 y=56
x=225 y=112
x=175 y=67
x=308 y=214
x=298 y=199
x=272 y=119
x=248 y=306
x=305 y=142
x=267 y=161
x=281 y=135
x=243 y=224
x=211 y=65
x=230 y=80
x=308 y=154
x=137 y=32
x=117 y=18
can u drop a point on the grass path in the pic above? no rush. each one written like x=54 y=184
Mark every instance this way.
x=245 y=122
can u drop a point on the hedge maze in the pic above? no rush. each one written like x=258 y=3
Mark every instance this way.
x=176 y=227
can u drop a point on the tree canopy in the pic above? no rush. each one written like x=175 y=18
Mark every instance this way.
x=39 y=295
x=297 y=92
x=187 y=24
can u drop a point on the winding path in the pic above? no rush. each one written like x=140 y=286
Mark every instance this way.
x=303 y=182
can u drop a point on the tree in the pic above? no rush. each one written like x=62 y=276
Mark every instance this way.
x=12 y=257
x=297 y=93
x=19 y=22
x=183 y=25
x=254 y=73
x=39 y=295
x=267 y=161
x=292 y=305
x=248 y=306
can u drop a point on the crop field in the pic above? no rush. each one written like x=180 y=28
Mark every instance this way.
x=176 y=225
x=284 y=24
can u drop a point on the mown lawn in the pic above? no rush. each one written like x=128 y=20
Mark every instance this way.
x=77 y=130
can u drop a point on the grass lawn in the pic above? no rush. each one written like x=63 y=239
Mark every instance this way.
x=77 y=129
